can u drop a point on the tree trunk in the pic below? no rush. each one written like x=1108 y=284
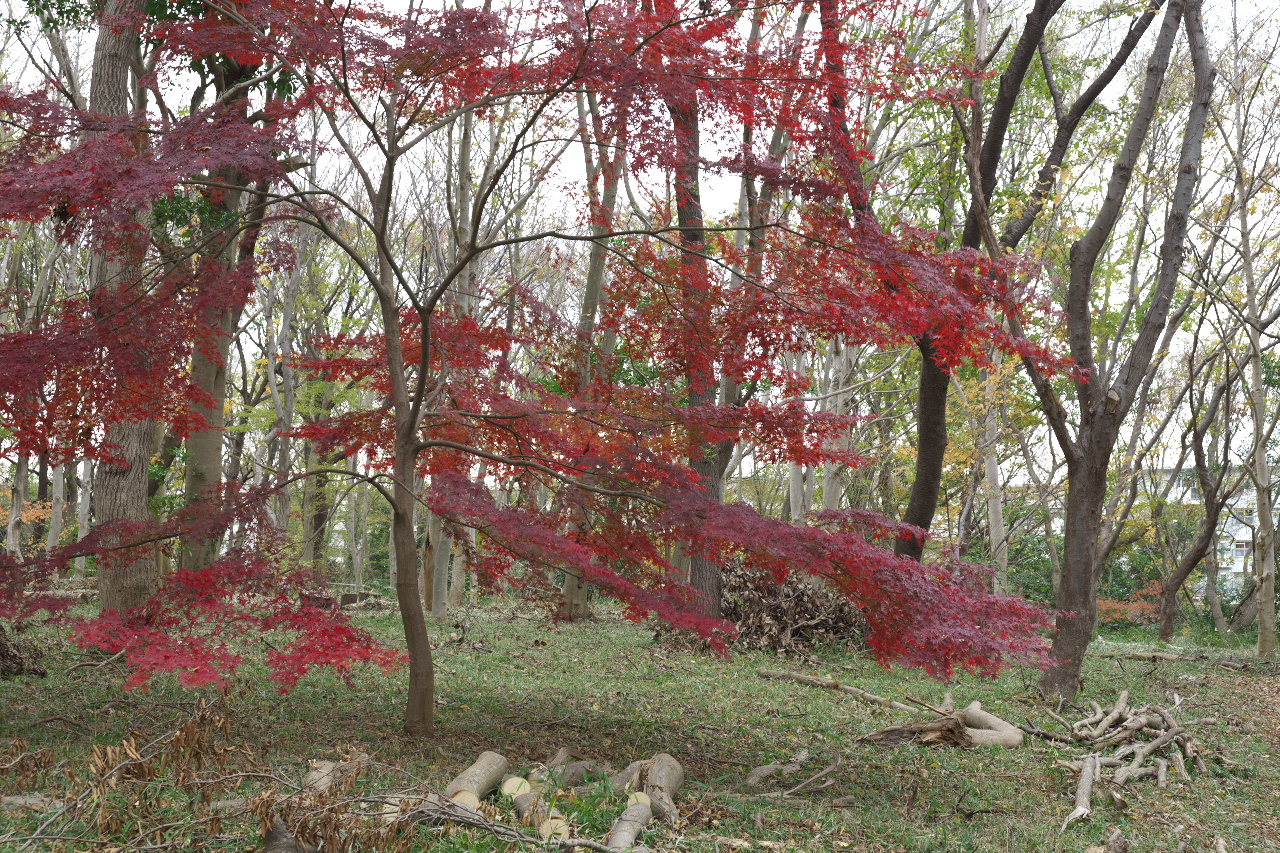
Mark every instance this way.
x=458 y=573
x=83 y=503
x=706 y=461
x=994 y=486
x=931 y=449
x=57 y=507
x=419 y=713
x=1103 y=409
x=126 y=578
x=17 y=502
x=204 y=446
x=1213 y=598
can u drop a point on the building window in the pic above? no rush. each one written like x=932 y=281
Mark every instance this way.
x=1242 y=549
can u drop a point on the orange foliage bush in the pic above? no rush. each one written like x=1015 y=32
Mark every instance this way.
x=1140 y=608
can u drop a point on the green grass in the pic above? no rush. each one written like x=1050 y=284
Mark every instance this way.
x=513 y=684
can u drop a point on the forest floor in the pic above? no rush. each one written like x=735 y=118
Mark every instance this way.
x=507 y=681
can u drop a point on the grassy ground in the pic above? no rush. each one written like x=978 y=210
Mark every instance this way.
x=510 y=683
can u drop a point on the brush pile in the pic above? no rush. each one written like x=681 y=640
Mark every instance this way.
x=788 y=618
x=1125 y=745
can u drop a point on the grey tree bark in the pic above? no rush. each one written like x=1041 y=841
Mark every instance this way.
x=1104 y=404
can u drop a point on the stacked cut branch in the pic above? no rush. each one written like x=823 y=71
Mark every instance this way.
x=1143 y=743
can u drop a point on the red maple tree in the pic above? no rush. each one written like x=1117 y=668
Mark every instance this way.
x=616 y=464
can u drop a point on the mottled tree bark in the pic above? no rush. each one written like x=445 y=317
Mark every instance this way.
x=126 y=578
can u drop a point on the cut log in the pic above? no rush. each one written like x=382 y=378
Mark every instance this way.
x=481 y=777
x=234 y=804
x=515 y=785
x=320 y=777
x=531 y=808
x=1084 y=790
x=627 y=828
x=986 y=728
x=563 y=756
x=323 y=777
x=470 y=799
x=629 y=777
x=420 y=809
x=569 y=775
x=555 y=826
x=35 y=803
x=278 y=839
x=1162 y=773
x=828 y=684
x=638 y=797
x=662 y=780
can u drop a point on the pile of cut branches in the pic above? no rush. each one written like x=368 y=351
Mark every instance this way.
x=1130 y=744
x=789 y=617
x=19 y=656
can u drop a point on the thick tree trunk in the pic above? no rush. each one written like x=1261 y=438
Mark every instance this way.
x=1077 y=592
x=128 y=577
x=204 y=446
x=1103 y=409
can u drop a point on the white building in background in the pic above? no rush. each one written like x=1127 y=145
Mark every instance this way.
x=1235 y=528
x=1235 y=538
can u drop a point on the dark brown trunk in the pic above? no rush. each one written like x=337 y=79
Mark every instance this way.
x=1103 y=409
x=704 y=573
x=931 y=449
x=419 y=711
x=1077 y=591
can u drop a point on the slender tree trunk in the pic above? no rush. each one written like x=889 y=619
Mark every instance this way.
x=1212 y=597
x=419 y=713
x=440 y=586
x=931 y=448
x=458 y=573
x=707 y=462
x=994 y=486
x=17 y=502
x=57 y=506
x=85 y=497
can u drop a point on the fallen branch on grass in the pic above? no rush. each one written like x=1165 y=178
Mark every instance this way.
x=1134 y=736
x=827 y=683
x=970 y=726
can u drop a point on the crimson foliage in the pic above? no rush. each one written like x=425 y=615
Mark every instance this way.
x=595 y=472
